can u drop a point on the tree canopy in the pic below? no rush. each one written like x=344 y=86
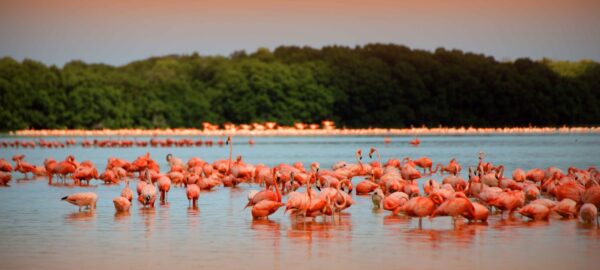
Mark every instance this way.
x=376 y=85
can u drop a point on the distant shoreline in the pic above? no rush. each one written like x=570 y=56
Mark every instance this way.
x=289 y=131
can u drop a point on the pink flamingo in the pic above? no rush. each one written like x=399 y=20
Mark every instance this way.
x=82 y=199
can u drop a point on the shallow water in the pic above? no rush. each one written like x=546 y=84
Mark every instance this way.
x=39 y=230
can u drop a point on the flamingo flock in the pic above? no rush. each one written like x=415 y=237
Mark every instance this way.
x=113 y=143
x=309 y=193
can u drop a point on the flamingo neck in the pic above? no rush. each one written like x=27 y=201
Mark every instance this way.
x=276 y=186
x=230 y=153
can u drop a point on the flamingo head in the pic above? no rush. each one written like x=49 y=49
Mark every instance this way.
x=359 y=154
x=371 y=152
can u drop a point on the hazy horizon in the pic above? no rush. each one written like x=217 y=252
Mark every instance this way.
x=118 y=32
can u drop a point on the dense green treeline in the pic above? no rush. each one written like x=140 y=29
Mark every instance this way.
x=374 y=85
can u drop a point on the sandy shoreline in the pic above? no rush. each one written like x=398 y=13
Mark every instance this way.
x=283 y=131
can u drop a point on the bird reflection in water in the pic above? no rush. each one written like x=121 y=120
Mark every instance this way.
x=148 y=217
x=507 y=222
x=265 y=225
x=462 y=236
x=396 y=219
x=267 y=230
x=122 y=215
x=324 y=229
x=81 y=216
x=164 y=204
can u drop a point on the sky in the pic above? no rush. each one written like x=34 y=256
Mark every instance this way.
x=120 y=31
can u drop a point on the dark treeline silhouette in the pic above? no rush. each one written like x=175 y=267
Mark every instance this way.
x=376 y=85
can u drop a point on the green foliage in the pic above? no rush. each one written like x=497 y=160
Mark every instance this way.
x=382 y=85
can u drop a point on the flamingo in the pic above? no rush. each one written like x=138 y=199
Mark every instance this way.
x=337 y=199
x=23 y=166
x=588 y=213
x=82 y=199
x=409 y=172
x=571 y=190
x=148 y=193
x=395 y=201
x=266 y=207
x=421 y=206
x=266 y=194
x=453 y=167
x=377 y=198
x=460 y=205
x=535 y=211
x=86 y=171
x=567 y=208
x=50 y=165
x=208 y=183
x=67 y=166
x=193 y=194
x=109 y=177
x=591 y=193
x=519 y=175
x=415 y=141
x=508 y=201
x=366 y=186
x=176 y=164
x=481 y=213
x=424 y=163
x=5 y=166
x=126 y=192
x=121 y=204
x=546 y=202
x=376 y=170
x=299 y=203
x=5 y=177
x=164 y=185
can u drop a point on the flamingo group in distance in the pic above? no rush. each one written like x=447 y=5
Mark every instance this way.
x=309 y=193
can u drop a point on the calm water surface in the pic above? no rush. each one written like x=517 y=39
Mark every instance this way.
x=37 y=230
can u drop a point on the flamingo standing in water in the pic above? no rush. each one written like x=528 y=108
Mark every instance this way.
x=164 y=185
x=122 y=204
x=300 y=203
x=50 y=165
x=266 y=207
x=5 y=178
x=421 y=206
x=423 y=162
x=453 y=167
x=588 y=213
x=23 y=166
x=67 y=166
x=127 y=192
x=265 y=194
x=415 y=141
x=535 y=211
x=480 y=213
x=395 y=201
x=5 y=166
x=377 y=198
x=192 y=192
x=460 y=205
x=148 y=193
x=82 y=199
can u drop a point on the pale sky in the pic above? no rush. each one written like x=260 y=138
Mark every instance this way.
x=119 y=31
